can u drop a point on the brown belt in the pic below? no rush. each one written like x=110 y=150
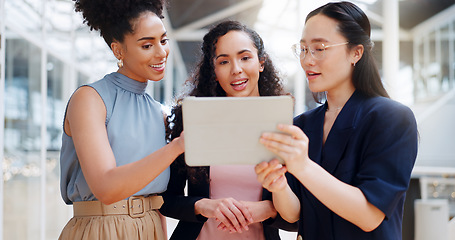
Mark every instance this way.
x=135 y=206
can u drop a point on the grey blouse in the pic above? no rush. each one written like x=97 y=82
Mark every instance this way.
x=135 y=128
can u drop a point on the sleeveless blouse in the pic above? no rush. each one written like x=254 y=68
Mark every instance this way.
x=135 y=129
x=240 y=183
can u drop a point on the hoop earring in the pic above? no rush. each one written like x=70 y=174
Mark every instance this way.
x=120 y=63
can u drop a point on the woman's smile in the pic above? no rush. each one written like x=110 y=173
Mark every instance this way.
x=159 y=67
x=239 y=84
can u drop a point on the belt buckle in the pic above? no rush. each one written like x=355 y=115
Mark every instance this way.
x=134 y=204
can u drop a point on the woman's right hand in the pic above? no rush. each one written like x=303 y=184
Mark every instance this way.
x=290 y=144
x=228 y=211
x=180 y=142
x=271 y=175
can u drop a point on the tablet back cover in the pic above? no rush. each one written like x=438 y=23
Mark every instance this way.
x=226 y=130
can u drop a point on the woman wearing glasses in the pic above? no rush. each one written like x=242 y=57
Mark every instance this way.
x=350 y=159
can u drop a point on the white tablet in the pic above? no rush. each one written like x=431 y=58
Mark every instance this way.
x=226 y=130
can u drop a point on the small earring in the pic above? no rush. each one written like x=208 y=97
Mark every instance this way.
x=120 y=63
x=353 y=64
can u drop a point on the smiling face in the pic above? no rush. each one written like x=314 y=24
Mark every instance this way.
x=237 y=66
x=334 y=71
x=144 y=52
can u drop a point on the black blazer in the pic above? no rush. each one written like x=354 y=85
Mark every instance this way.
x=177 y=205
x=373 y=146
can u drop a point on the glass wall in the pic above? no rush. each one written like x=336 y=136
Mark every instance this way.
x=445 y=58
x=48 y=52
x=23 y=171
x=434 y=59
x=57 y=213
x=2 y=78
x=22 y=140
x=40 y=74
x=451 y=52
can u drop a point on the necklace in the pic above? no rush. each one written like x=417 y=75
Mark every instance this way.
x=336 y=109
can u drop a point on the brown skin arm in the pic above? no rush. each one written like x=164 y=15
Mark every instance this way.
x=85 y=123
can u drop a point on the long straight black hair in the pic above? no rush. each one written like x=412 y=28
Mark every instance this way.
x=354 y=25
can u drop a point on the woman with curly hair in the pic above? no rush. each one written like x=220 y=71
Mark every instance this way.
x=229 y=198
x=114 y=157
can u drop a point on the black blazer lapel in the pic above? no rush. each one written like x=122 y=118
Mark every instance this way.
x=339 y=135
x=313 y=128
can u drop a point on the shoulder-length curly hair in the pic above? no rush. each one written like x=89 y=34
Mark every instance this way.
x=203 y=82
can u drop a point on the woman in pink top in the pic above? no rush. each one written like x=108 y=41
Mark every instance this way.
x=224 y=202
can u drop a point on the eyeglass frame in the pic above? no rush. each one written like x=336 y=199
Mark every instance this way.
x=296 y=46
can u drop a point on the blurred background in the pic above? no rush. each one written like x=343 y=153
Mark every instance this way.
x=46 y=52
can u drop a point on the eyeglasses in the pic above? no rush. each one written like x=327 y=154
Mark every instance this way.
x=317 y=50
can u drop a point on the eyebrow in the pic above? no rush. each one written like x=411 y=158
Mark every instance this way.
x=315 y=40
x=240 y=52
x=151 y=38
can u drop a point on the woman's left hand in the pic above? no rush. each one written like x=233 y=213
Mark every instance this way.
x=261 y=211
x=291 y=146
x=271 y=175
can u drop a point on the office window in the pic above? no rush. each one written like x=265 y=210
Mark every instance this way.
x=432 y=68
x=57 y=213
x=23 y=120
x=445 y=59
x=22 y=140
x=452 y=53
x=420 y=76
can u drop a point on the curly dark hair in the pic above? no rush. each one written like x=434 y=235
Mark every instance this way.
x=203 y=82
x=115 y=18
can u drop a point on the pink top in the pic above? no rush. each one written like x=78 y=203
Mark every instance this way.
x=240 y=183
